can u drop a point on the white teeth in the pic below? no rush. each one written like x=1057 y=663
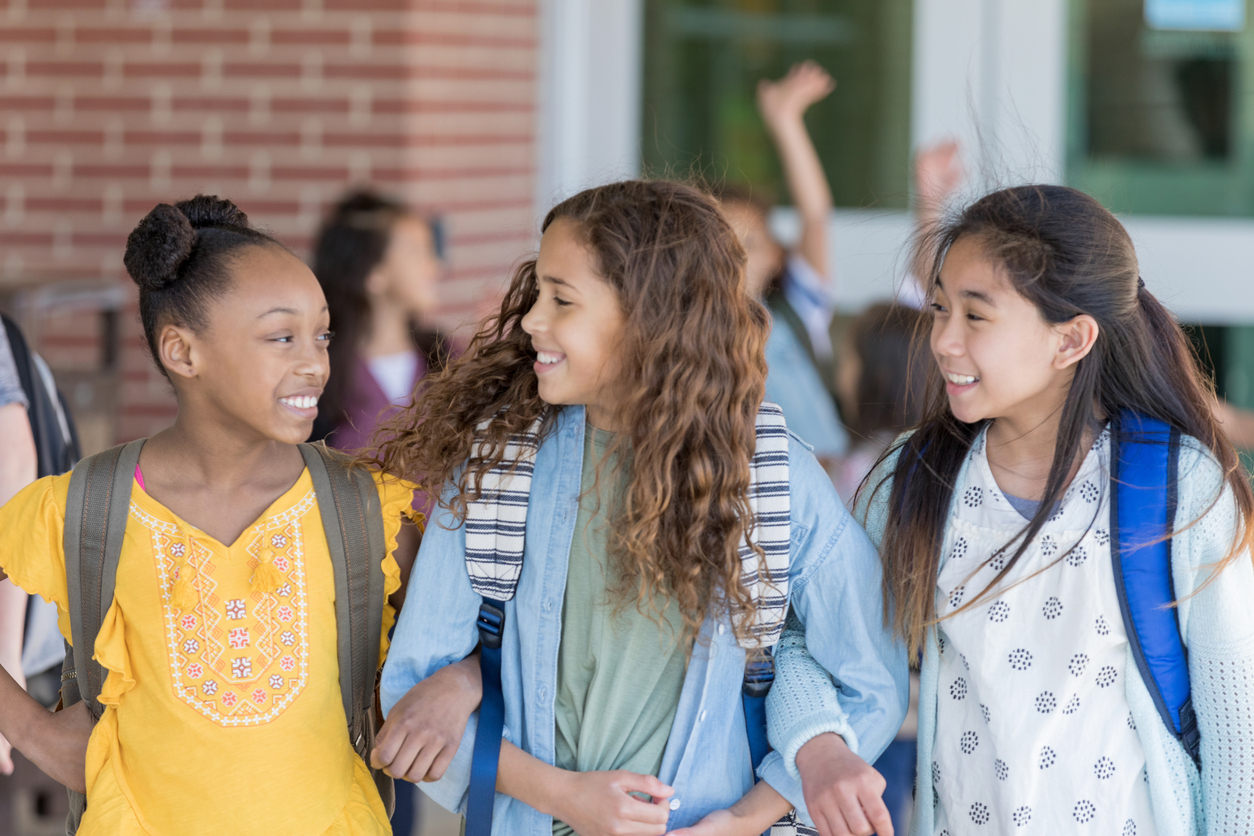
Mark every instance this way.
x=547 y=358
x=301 y=401
x=960 y=379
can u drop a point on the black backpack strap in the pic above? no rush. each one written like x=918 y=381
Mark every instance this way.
x=353 y=520
x=95 y=522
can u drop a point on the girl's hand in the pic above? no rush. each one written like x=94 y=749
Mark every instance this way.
x=601 y=804
x=424 y=729
x=790 y=97
x=752 y=815
x=938 y=173
x=59 y=746
x=843 y=793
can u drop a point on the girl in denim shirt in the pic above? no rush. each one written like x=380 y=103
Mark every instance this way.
x=632 y=338
x=997 y=529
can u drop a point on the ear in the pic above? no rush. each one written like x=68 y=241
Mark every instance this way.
x=175 y=346
x=1076 y=338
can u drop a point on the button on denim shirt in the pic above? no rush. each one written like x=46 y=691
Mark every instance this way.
x=834 y=588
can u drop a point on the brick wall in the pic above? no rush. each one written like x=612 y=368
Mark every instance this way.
x=110 y=106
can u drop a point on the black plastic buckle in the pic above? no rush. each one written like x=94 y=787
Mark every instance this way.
x=491 y=624
x=759 y=677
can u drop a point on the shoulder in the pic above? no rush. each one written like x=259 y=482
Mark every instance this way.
x=871 y=507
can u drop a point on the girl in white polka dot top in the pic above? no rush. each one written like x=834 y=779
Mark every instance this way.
x=995 y=522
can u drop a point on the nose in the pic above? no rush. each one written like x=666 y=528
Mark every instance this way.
x=313 y=363
x=533 y=321
x=947 y=337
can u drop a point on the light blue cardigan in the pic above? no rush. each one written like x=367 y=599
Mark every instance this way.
x=1216 y=619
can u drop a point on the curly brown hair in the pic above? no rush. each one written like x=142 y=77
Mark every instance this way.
x=694 y=374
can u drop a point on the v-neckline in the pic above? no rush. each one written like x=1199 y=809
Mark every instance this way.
x=284 y=501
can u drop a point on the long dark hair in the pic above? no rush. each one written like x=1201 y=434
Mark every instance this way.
x=694 y=374
x=352 y=242
x=1068 y=255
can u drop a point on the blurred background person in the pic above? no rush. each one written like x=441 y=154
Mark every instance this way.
x=17 y=469
x=380 y=265
x=794 y=285
x=880 y=381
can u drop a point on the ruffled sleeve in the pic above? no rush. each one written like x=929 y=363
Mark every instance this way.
x=113 y=656
x=32 y=550
x=396 y=496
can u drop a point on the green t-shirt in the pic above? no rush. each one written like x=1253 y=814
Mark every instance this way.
x=619 y=670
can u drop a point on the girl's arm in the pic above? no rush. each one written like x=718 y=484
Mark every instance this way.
x=593 y=803
x=56 y=743
x=425 y=728
x=408 y=539
x=783 y=105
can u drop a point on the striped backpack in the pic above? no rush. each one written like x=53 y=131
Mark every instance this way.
x=496 y=525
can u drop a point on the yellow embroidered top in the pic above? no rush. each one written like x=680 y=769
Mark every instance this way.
x=222 y=715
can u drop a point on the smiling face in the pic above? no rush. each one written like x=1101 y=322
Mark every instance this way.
x=1001 y=359
x=576 y=327
x=260 y=364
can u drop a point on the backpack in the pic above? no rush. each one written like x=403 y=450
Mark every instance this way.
x=56 y=439
x=1143 y=476
x=95 y=520
x=495 y=527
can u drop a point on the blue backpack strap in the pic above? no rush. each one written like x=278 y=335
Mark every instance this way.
x=1143 y=511
x=496 y=524
x=759 y=677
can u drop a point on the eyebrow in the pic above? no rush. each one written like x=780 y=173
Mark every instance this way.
x=556 y=280
x=291 y=311
x=972 y=294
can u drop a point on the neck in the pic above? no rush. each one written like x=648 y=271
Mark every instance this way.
x=600 y=418
x=388 y=332
x=1021 y=450
x=207 y=452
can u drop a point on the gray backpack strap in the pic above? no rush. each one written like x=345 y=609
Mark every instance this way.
x=95 y=521
x=353 y=520
x=96 y=511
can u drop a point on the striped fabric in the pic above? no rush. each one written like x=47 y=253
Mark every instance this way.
x=769 y=502
x=496 y=524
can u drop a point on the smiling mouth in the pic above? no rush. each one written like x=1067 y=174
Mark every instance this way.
x=548 y=358
x=301 y=401
x=960 y=379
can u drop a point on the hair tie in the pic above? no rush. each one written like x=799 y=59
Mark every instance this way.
x=1140 y=283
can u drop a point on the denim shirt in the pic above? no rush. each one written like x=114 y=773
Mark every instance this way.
x=835 y=581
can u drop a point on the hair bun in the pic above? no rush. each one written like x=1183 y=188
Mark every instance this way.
x=210 y=210
x=158 y=247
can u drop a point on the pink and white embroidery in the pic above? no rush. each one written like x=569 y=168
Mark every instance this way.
x=265 y=655
x=239 y=638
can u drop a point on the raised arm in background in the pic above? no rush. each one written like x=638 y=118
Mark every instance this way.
x=783 y=105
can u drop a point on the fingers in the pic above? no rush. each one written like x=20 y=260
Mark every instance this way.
x=441 y=763
x=647 y=784
x=877 y=813
x=386 y=745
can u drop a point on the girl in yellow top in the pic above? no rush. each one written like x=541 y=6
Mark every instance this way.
x=222 y=706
